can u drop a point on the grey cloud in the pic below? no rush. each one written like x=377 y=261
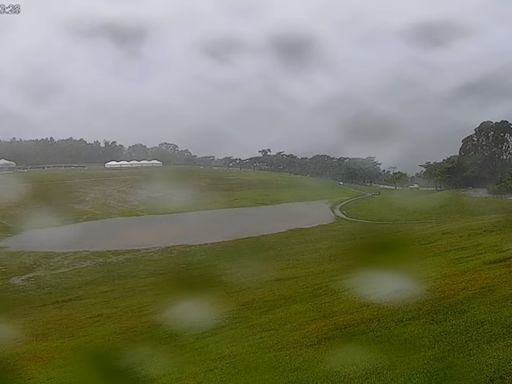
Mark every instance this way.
x=295 y=49
x=224 y=49
x=127 y=37
x=487 y=89
x=14 y=124
x=214 y=76
x=38 y=89
x=371 y=127
x=435 y=34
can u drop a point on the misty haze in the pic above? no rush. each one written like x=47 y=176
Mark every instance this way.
x=241 y=191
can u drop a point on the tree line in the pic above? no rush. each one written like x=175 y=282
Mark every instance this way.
x=484 y=160
x=49 y=151
x=353 y=170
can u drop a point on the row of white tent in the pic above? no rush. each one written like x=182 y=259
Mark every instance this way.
x=133 y=164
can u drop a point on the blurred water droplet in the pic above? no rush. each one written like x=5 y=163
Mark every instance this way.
x=163 y=194
x=384 y=287
x=194 y=314
x=150 y=362
x=41 y=218
x=351 y=358
x=8 y=334
x=11 y=189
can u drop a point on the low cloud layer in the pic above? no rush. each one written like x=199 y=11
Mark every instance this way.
x=223 y=49
x=125 y=36
x=435 y=34
x=295 y=49
x=401 y=81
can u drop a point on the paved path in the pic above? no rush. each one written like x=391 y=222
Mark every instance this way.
x=339 y=212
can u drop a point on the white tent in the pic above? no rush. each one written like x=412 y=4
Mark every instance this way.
x=7 y=164
x=133 y=164
x=112 y=164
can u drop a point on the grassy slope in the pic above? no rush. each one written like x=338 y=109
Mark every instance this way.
x=405 y=205
x=286 y=314
x=81 y=195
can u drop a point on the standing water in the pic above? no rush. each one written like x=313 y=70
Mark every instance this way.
x=198 y=227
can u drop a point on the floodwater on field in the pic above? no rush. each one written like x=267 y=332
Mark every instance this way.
x=200 y=227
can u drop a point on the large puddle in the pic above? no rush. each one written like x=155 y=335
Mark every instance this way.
x=199 y=227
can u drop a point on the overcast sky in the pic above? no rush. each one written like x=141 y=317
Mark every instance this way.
x=402 y=80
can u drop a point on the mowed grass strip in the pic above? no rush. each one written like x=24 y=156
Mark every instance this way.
x=413 y=205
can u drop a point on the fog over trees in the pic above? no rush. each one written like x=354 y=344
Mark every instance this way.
x=49 y=151
x=484 y=160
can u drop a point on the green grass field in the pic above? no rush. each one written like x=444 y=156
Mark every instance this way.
x=293 y=307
